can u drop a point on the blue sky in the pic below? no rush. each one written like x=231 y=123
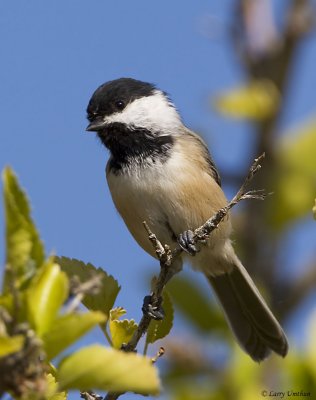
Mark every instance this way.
x=55 y=54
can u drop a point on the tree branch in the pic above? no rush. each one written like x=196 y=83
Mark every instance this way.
x=166 y=256
x=90 y=396
x=80 y=289
x=267 y=53
x=297 y=291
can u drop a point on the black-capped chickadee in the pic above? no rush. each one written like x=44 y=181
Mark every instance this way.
x=162 y=173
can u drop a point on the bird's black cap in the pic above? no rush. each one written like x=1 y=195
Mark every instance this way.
x=113 y=96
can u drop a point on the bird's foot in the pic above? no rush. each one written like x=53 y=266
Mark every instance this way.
x=153 y=311
x=187 y=243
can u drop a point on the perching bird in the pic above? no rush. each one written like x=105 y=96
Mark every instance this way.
x=162 y=173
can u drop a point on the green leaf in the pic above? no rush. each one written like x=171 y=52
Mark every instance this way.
x=45 y=295
x=9 y=345
x=25 y=251
x=295 y=181
x=310 y=344
x=52 y=392
x=121 y=331
x=105 y=298
x=257 y=100
x=67 y=329
x=117 y=313
x=101 y=368
x=159 y=329
x=6 y=301
x=194 y=305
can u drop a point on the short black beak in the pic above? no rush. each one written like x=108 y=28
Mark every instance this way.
x=95 y=126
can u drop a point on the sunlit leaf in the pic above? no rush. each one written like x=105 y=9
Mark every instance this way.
x=189 y=390
x=52 y=390
x=310 y=344
x=314 y=210
x=159 y=329
x=295 y=181
x=25 y=250
x=105 y=298
x=242 y=369
x=67 y=329
x=101 y=368
x=6 y=301
x=121 y=331
x=45 y=295
x=117 y=313
x=9 y=345
x=256 y=100
x=15 y=305
x=194 y=305
x=301 y=372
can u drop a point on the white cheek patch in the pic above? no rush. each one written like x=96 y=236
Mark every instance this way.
x=151 y=112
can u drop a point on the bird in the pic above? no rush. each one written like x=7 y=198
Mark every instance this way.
x=161 y=172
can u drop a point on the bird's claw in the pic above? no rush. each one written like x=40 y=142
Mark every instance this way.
x=187 y=242
x=153 y=311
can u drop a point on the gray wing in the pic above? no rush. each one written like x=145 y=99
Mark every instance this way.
x=208 y=157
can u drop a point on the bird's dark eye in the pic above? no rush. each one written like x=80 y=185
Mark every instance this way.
x=91 y=116
x=119 y=104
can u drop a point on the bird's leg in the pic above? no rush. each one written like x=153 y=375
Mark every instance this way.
x=152 y=305
x=187 y=242
x=154 y=311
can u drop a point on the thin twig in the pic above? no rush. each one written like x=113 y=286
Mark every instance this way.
x=112 y=396
x=204 y=231
x=79 y=290
x=159 y=354
x=166 y=256
x=90 y=396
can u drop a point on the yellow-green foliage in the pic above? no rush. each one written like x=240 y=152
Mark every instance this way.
x=37 y=322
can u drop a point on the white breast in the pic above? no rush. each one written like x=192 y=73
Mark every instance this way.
x=173 y=196
x=141 y=197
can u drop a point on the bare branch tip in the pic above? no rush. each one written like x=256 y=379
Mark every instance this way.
x=159 y=354
x=261 y=157
x=258 y=160
x=90 y=396
x=147 y=228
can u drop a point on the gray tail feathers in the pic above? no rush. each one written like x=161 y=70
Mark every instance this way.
x=251 y=320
